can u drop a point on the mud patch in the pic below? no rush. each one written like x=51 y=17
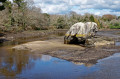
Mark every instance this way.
x=87 y=55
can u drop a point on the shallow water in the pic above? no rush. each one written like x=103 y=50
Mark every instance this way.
x=117 y=43
x=21 y=64
x=109 y=68
x=26 y=65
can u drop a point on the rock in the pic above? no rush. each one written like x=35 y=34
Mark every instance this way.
x=21 y=47
x=103 y=42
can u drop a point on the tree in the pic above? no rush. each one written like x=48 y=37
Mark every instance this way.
x=118 y=17
x=20 y=3
x=73 y=18
x=8 y=6
x=21 y=18
x=46 y=19
x=2 y=0
x=86 y=19
x=60 y=23
x=92 y=18
x=2 y=7
x=108 y=17
x=97 y=21
x=73 y=14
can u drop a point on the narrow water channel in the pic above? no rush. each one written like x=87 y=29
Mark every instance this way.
x=26 y=65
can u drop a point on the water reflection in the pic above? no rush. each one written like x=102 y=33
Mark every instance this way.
x=26 y=65
x=46 y=58
x=23 y=64
x=86 y=64
x=12 y=63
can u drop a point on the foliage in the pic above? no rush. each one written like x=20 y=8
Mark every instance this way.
x=109 y=17
x=92 y=18
x=114 y=27
x=46 y=19
x=2 y=7
x=22 y=15
x=60 y=23
x=97 y=21
x=2 y=0
x=118 y=17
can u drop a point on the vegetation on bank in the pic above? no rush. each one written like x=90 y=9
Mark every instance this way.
x=114 y=27
x=21 y=15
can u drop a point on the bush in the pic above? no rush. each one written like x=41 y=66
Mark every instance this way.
x=116 y=24
x=61 y=23
x=114 y=27
x=40 y=28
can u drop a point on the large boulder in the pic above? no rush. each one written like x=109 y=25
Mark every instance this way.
x=80 y=32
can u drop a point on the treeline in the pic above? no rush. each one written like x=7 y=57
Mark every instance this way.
x=21 y=15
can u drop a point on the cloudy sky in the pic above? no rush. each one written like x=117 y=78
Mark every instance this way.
x=97 y=7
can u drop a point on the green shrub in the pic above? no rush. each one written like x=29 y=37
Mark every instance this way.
x=114 y=27
x=61 y=23
x=116 y=24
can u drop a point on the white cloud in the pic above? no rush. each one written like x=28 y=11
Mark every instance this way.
x=98 y=7
x=54 y=8
x=97 y=13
